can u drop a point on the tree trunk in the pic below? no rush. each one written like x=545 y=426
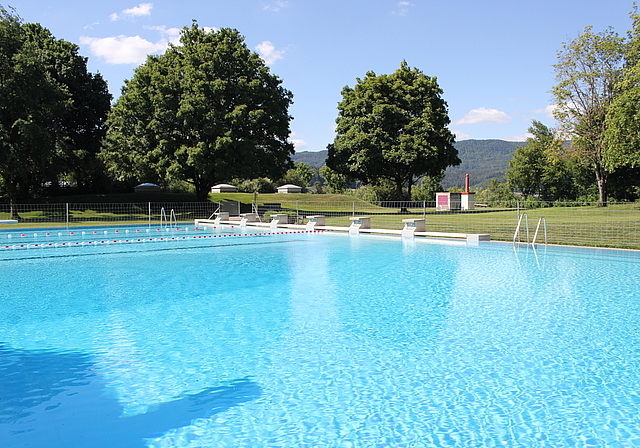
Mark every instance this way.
x=602 y=179
x=399 y=192
x=202 y=193
x=12 y=190
x=13 y=214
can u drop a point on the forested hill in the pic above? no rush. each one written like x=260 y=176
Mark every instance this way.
x=482 y=159
x=311 y=158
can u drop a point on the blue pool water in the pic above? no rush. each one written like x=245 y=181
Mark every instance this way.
x=319 y=340
x=47 y=238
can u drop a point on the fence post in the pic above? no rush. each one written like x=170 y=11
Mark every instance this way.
x=353 y=210
x=67 y=212
x=149 y=214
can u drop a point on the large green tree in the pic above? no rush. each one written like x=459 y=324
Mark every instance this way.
x=541 y=167
x=622 y=133
x=336 y=183
x=393 y=127
x=588 y=71
x=206 y=111
x=52 y=111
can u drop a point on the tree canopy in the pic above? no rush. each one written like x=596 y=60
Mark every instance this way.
x=622 y=133
x=588 y=71
x=540 y=167
x=206 y=111
x=393 y=127
x=52 y=111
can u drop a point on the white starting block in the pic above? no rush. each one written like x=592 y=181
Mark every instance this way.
x=276 y=220
x=314 y=221
x=411 y=226
x=221 y=216
x=248 y=217
x=358 y=223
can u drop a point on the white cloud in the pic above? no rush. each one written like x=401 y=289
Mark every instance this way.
x=268 y=52
x=123 y=49
x=547 y=111
x=461 y=135
x=276 y=6
x=484 y=115
x=518 y=138
x=403 y=8
x=143 y=9
x=170 y=34
x=299 y=143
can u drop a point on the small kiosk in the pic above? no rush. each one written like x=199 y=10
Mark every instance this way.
x=446 y=201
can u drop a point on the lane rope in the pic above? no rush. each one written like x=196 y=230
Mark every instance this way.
x=144 y=240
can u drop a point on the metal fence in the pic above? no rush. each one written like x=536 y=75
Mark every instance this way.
x=73 y=214
x=584 y=224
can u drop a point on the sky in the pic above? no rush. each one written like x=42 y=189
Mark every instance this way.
x=493 y=59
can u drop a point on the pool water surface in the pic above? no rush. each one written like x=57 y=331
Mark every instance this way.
x=319 y=340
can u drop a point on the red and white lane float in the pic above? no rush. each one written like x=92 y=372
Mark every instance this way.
x=143 y=240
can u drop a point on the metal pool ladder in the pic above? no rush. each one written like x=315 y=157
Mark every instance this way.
x=173 y=219
x=524 y=218
x=541 y=223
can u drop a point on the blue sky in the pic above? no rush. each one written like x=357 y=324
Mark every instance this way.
x=493 y=58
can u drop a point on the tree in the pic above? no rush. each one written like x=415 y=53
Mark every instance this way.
x=427 y=188
x=301 y=175
x=206 y=111
x=337 y=183
x=588 y=71
x=540 y=167
x=496 y=194
x=52 y=111
x=622 y=133
x=526 y=168
x=392 y=127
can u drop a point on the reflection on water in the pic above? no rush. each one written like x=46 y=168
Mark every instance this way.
x=53 y=399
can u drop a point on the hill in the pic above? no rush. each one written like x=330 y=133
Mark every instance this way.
x=482 y=159
x=311 y=158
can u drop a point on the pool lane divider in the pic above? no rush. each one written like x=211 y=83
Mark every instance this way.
x=144 y=240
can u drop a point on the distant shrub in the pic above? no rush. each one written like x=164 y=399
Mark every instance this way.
x=260 y=184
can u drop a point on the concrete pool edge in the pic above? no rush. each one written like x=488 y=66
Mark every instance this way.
x=469 y=237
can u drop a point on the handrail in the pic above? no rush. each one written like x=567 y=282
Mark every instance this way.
x=173 y=218
x=216 y=212
x=254 y=209
x=524 y=216
x=163 y=216
x=543 y=222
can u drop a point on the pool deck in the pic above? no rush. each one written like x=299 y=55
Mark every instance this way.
x=470 y=237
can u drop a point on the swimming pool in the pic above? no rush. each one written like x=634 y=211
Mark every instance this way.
x=323 y=340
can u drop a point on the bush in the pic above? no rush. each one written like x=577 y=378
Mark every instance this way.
x=385 y=191
x=260 y=184
x=180 y=186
